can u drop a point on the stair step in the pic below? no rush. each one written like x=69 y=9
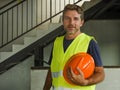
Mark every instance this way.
x=41 y=33
x=90 y=3
x=29 y=40
x=17 y=47
x=5 y=55
x=31 y=33
x=51 y=27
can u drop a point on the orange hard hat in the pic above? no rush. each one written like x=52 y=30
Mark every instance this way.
x=84 y=61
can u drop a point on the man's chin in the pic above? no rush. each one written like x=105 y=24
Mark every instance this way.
x=70 y=33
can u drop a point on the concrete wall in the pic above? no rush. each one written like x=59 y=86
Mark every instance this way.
x=112 y=80
x=18 y=77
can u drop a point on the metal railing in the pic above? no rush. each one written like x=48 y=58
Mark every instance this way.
x=26 y=16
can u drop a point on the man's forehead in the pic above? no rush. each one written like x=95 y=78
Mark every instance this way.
x=72 y=14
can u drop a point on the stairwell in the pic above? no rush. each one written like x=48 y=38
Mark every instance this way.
x=18 y=75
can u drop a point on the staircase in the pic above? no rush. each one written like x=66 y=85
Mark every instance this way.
x=28 y=40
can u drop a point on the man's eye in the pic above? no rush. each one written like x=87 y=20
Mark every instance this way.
x=66 y=18
x=76 y=19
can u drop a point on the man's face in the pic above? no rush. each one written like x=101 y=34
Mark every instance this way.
x=72 y=22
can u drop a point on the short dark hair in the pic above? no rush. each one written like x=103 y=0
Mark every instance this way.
x=74 y=7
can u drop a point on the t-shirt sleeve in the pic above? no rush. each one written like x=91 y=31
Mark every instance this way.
x=93 y=50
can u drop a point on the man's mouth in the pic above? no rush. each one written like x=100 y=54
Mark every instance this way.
x=71 y=27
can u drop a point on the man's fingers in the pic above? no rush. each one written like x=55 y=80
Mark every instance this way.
x=80 y=72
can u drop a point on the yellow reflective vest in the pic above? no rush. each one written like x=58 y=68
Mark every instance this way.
x=59 y=58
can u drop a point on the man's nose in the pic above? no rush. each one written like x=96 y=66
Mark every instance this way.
x=71 y=21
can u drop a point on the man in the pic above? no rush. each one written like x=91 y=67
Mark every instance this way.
x=73 y=42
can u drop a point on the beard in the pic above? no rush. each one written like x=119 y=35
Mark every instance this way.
x=72 y=31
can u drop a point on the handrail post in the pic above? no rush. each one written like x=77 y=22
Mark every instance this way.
x=38 y=52
x=50 y=10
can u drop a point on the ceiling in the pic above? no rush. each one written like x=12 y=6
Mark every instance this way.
x=106 y=9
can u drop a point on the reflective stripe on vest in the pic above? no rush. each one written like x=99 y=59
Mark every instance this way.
x=57 y=74
x=63 y=88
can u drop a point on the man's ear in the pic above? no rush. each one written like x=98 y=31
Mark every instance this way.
x=82 y=22
x=62 y=18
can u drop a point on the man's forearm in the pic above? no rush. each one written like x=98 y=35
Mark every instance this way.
x=48 y=81
x=97 y=77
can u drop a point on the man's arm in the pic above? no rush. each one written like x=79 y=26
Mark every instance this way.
x=48 y=81
x=97 y=77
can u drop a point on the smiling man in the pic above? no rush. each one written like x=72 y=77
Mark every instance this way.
x=73 y=42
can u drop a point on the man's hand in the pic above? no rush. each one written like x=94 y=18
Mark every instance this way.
x=76 y=79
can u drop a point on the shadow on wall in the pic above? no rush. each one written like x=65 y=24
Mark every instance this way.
x=106 y=33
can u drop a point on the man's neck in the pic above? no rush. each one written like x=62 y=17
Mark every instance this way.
x=71 y=36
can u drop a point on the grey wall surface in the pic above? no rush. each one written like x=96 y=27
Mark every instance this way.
x=112 y=80
x=106 y=32
x=17 y=78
